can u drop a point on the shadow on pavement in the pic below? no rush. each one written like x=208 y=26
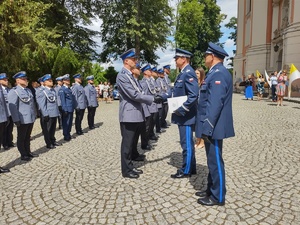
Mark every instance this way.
x=40 y=151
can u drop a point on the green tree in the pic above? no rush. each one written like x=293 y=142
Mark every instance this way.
x=24 y=40
x=111 y=74
x=126 y=24
x=197 y=23
x=66 y=62
x=232 y=24
x=98 y=72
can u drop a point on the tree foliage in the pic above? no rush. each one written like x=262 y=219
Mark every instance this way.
x=141 y=24
x=34 y=32
x=197 y=23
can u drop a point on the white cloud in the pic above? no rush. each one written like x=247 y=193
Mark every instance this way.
x=229 y=43
x=228 y=7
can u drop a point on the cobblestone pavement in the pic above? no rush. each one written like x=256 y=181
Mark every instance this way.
x=80 y=182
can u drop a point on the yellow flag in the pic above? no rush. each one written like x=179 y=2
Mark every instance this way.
x=257 y=74
x=294 y=75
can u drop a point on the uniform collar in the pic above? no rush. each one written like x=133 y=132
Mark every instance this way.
x=184 y=67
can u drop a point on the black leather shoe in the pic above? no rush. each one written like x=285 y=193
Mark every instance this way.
x=56 y=144
x=161 y=131
x=180 y=174
x=91 y=128
x=137 y=171
x=131 y=175
x=5 y=147
x=147 y=147
x=79 y=133
x=67 y=139
x=208 y=201
x=12 y=145
x=25 y=158
x=139 y=158
x=50 y=146
x=154 y=138
x=201 y=194
x=33 y=155
x=3 y=170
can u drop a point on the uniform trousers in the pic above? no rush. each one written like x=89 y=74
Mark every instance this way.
x=158 y=120
x=152 y=124
x=67 y=119
x=2 y=128
x=165 y=109
x=216 y=176
x=48 y=129
x=23 y=138
x=188 y=149
x=129 y=132
x=91 y=116
x=59 y=118
x=145 y=132
x=7 y=139
x=78 y=120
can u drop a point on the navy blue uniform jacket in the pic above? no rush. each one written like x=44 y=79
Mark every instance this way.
x=214 y=115
x=186 y=84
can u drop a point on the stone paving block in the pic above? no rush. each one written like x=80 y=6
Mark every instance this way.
x=80 y=181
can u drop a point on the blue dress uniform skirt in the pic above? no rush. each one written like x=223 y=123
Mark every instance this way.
x=249 y=92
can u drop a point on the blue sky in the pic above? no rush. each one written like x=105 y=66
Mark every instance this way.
x=228 y=7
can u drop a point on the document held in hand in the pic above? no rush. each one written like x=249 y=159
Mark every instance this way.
x=175 y=102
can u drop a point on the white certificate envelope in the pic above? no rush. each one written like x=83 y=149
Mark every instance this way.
x=175 y=102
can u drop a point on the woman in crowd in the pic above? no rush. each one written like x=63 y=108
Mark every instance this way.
x=280 y=90
x=249 y=88
x=201 y=76
x=260 y=88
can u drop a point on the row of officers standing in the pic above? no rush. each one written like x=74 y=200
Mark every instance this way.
x=207 y=110
x=18 y=106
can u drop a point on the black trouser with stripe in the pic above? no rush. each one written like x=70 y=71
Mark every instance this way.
x=129 y=132
x=7 y=139
x=152 y=124
x=91 y=116
x=78 y=120
x=165 y=109
x=48 y=129
x=145 y=132
x=23 y=139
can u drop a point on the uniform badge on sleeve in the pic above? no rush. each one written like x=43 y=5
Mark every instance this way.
x=217 y=82
x=191 y=79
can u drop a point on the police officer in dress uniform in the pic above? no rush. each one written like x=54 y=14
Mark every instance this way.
x=131 y=114
x=3 y=119
x=21 y=106
x=148 y=89
x=144 y=132
x=92 y=103
x=155 y=78
x=152 y=86
x=46 y=100
x=7 y=140
x=164 y=88
x=215 y=122
x=80 y=102
x=67 y=105
x=36 y=96
x=186 y=84
x=59 y=83
x=167 y=70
